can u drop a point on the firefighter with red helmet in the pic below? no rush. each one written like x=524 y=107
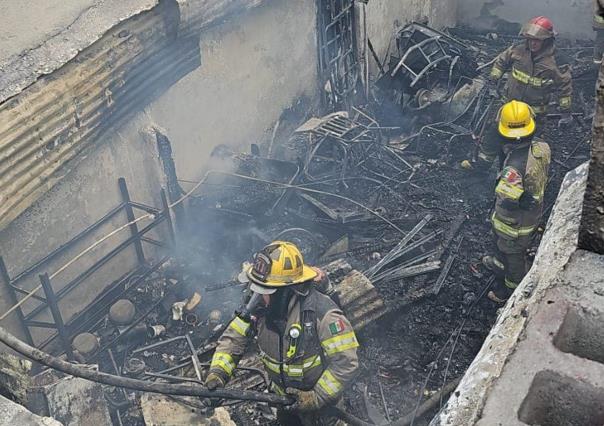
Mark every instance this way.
x=534 y=75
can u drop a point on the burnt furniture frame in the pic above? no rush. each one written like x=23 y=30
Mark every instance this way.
x=96 y=310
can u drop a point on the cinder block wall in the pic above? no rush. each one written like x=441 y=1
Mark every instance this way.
x=572 y=18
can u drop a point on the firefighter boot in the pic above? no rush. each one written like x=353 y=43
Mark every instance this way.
x=494 y=265
x=500 y=293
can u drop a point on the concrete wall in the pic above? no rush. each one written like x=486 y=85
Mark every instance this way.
x=44 y=18
x=572 y=18
x=253 y=67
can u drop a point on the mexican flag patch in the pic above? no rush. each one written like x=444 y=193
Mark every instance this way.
x=337 y=327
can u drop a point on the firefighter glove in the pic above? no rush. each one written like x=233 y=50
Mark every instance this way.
x=305 y=400
x=527 y=201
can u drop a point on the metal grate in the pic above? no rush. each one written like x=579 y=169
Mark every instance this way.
x=338 y=61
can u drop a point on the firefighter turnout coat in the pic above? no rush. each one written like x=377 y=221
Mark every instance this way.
x=520 y=190
x=323 y=356
x=534 y=78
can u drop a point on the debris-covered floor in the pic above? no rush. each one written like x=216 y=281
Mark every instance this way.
x=348 y=188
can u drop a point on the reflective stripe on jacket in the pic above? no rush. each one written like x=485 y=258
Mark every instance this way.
x=324 y=357
x=534 y=79
x=525 y=170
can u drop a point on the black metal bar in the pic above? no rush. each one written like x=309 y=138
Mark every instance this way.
x=12 y=298
x=140 y=254
x=86 y=320
x=194 y=357
x=154 y=242
x=56 y=314
x=21 y=291
x=69 y=244
x=123 y=285
x=157 y=344
x=144 y=208
x=101 y=262
x=40 y=324
x=164 y=149
x=168 y=217
x=130 y=327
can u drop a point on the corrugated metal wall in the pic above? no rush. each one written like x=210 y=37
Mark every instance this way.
x=47 y=127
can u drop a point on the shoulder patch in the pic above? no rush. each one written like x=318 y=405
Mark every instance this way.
x=536 y=150
x=337 y=327
x=511 y=176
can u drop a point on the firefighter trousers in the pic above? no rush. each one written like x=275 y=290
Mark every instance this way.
x=289 y=418
x=512 y=253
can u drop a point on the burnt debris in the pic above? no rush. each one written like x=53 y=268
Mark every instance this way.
x=375 y=199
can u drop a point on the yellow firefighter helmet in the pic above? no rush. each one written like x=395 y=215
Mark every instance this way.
x=516 y=120
x=279 y=264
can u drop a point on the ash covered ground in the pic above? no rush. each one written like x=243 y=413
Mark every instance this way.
x=420 y=344
x=402 y=353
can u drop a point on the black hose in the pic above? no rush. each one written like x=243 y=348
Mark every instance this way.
x=190 y=389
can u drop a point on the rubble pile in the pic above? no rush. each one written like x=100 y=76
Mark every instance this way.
x=380 y=203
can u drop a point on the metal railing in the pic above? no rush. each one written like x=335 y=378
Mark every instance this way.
x=96 y=310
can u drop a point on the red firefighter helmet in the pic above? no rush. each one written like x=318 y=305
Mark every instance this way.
x=540 y=28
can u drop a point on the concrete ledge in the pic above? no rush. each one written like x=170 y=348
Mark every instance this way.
x=12 y=413
x=470 y=401
x=19 y=71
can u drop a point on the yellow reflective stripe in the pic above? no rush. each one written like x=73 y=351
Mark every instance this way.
x=510 y=231
x=224 y=361
x=565 y=102
x=329 y=384
x=271 y=366
x=527 y=79
x=507 y=190
x=340 y=343
x=277 y=389
x=240 y=326
x=496 y=73
x=510 y=284
x=311 y=363
x=292 y=370
x=539 y=109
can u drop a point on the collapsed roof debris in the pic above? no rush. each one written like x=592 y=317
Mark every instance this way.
x=379 y=207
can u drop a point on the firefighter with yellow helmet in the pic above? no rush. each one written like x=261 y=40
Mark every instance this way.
x=534 y=74
x=306 y=344
x=519 y=192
